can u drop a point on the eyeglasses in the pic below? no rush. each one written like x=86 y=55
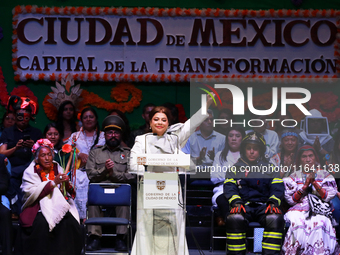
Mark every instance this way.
x=23 y=116
x=112 y=133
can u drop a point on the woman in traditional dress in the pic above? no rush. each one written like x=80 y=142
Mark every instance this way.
x=334 y=160
x=311 y=230
x=286 y=157
x=161 y=232
x=223 y=161
x=49 y=218
x=88 y=137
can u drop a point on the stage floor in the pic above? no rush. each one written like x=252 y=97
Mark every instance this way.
x=216 y=252
x=206 y=252
x=191 y=252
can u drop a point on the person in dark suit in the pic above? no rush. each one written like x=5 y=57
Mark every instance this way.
x=16 y=143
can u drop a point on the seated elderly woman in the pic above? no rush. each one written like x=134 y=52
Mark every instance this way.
x=49 y=220
x=308 y=191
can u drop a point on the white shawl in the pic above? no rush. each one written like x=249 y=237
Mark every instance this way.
x=53 y=206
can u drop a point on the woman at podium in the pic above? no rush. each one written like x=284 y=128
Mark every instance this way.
x=161 y=232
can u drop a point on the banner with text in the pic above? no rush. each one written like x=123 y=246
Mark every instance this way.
x=107 y=45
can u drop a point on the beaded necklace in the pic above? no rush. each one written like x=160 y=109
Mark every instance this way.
x=93 y=139
x=44 y=176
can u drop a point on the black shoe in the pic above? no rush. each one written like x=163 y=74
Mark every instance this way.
x=120 y=245
x=93 y=243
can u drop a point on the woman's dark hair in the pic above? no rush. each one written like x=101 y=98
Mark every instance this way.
x=60 y=123
x=224 y=152
x=47 y=128
x=87 y=109
x=161 y=109
x=127 y=131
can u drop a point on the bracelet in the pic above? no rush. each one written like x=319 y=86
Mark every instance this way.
x=318 y=189
x=300 y=192
x=295 y=197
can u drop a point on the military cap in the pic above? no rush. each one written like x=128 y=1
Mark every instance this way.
x=113 y=122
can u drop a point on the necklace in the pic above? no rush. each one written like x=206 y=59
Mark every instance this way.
x=44 y=176
x=89 y=145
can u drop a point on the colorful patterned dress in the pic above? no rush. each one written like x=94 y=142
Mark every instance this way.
x=309 y=234
x=83 y=144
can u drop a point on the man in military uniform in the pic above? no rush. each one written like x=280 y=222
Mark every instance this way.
x=254 y=193
x=109 y=164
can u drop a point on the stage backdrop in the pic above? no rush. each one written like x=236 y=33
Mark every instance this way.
x=162 y=70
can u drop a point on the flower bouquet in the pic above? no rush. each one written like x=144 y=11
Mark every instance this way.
x=69 y=162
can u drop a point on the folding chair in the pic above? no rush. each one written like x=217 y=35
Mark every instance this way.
x=213 y=234
x=109 y=195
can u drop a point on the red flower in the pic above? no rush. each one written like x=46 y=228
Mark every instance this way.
x=66 y=148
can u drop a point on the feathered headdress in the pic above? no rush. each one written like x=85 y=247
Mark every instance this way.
x=66 y=91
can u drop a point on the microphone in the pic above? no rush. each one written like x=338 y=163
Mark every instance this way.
x=145 y=146
x=177 y=147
